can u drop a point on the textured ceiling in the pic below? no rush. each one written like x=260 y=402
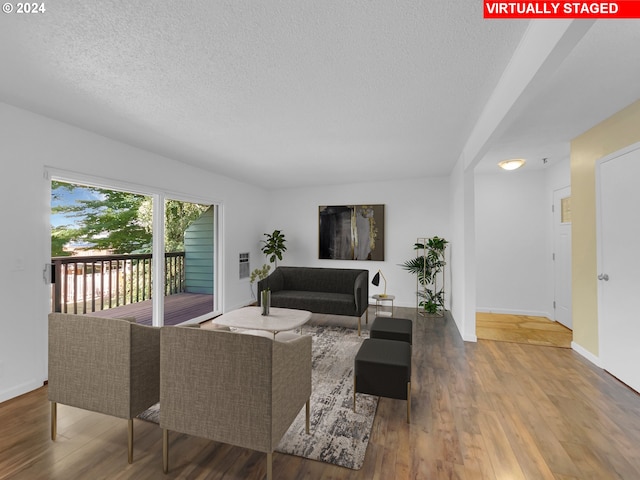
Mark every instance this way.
x=597 y=79
x=277 y=93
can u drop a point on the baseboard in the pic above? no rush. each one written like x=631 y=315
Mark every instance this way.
x=466 y=338
x=470 y=338
x=586 y=354
x=19 y=390
x=507 y=311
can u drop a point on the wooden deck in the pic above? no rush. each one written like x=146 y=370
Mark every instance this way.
x=178 y=308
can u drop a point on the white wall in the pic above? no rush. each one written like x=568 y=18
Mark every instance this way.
x=512 y=210
x=28 y=143
x=413 y=208
x=463 y=262
x=558 y=176
x=514 y=239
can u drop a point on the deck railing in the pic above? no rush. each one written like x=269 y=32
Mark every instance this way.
x=93 y=283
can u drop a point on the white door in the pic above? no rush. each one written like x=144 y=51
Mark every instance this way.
x=562 y=256
x=618 y=201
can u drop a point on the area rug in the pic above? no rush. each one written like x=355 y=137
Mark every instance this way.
x=337 y=435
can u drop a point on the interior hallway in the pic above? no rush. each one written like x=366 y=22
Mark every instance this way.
x=522 y=329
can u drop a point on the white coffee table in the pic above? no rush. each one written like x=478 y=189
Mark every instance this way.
x=251 y=318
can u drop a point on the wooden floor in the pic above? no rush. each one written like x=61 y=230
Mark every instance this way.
x=485 y=410
x=178 y=308
x=522 y=329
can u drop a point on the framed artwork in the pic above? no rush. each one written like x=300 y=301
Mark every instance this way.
x=351 y=232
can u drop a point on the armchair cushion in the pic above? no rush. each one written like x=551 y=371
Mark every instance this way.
x=244 y=390
x=105 y=365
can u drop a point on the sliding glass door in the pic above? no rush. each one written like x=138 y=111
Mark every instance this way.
x=121 y=253
x=189 y=251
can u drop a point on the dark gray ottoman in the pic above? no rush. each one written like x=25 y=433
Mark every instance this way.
x=392 y=329
x=383 y=368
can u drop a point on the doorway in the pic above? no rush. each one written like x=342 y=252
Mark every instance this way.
x=118 y=252
x=617 y=197
x=562 y=256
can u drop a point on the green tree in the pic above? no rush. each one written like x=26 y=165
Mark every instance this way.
x=107 y=221
x=178 y=216
x=119 y=222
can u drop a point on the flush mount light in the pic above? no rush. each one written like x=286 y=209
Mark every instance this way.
x=512 y=164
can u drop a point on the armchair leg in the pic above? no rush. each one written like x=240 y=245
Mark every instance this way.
x=307 y=413
x=359 y=320
x=165 y=450
x=54 y=420
x=130 y=439
x=270 y=466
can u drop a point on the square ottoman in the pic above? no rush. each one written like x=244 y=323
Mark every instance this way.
x=392 y=329
x=383 y=368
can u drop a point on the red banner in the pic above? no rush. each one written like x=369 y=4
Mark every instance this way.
x=562 y=9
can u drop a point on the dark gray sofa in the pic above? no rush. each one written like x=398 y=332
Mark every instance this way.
x=334 y=291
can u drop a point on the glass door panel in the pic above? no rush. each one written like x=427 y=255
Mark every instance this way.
x=101 y=242
x=189 y=261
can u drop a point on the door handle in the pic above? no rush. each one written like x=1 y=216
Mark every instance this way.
x=603 y=276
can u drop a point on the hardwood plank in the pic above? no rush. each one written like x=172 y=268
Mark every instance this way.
x=522 y=329
x=484 y=410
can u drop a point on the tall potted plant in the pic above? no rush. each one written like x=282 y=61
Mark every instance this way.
x=428 y=266
x=274 y=246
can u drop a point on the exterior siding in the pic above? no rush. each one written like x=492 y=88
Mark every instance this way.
x=198 y=257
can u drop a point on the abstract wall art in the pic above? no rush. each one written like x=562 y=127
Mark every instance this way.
x=351 y=232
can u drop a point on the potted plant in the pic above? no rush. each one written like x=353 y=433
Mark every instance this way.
x=258 y=274
x=428 y=266
x=274 y=246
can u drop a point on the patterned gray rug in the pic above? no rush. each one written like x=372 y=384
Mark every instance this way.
x=337 y=435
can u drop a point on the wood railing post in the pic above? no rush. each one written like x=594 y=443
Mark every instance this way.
x=75 y=278
x=57 y=286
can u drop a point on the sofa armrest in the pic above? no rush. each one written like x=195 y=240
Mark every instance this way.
x=361 y=292
x=89 y=363
x=291 y=382
x=216 y=385
x=273 y=282
x=145 y=367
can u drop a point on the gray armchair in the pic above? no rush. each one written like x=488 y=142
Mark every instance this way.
x=105 y=365
x=243 y=390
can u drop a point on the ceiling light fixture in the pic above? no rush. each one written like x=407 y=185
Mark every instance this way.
x=512 y=164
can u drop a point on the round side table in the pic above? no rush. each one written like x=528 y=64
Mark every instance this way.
x=380 y=299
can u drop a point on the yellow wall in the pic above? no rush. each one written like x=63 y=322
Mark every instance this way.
x=613 y=134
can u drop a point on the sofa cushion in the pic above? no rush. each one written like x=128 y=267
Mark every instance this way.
x=319 y=302
x=333 y=280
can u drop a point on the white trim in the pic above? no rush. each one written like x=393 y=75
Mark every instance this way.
x=54 y=173
x=159 y=196
x=466 y=338
x=554 y=263
x=587 y=354
x=598 y=178
x=218 y=254
x=508 y=311
x=18 y=390
x=157 y=261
